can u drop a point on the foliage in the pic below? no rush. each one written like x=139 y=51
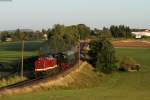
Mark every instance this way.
x=4 y=35
x=62 y=38
x=103 y=33
x=127 y=63
x=20 y=36
x=121 y=31
x=83 y=31
x=103 y=55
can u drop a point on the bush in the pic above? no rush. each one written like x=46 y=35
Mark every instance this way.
x=128 y=64
x=103 y=55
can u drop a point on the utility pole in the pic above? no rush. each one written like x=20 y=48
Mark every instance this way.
x=22 y=57
x=79 y=51
x=0 y=36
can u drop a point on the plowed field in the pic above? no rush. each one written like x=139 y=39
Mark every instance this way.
x=131 y=43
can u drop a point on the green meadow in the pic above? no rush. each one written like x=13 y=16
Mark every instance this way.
x=10 y=55
x=11 y=51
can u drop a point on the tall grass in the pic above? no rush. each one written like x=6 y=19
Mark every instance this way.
x=11 y=80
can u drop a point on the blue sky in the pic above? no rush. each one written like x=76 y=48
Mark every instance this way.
x=38 y=14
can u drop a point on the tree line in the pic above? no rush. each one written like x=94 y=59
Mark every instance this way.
x=16 y=35
x=84 y=31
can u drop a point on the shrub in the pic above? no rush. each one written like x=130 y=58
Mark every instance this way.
x=128 y=64
x=103 y=55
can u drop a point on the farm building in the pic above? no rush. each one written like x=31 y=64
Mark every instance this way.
x=139 y=35
x=8 y=39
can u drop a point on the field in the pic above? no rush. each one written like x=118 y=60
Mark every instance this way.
x=131 y=44
x=10 y=52
x=118 y=86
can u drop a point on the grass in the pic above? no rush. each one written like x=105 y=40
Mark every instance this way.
x=11 y=51
x=10 y=55
x=146 y=39
x=16 y=46
x=11 y=80
x=75 y=78
x=117 y=86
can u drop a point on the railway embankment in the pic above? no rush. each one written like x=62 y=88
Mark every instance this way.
x=80 y=76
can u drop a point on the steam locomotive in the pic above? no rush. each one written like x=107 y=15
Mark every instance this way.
x=54 y=63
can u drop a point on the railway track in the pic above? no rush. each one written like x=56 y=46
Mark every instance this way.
x=32 y=82
x=28 y=82
x=19 y=84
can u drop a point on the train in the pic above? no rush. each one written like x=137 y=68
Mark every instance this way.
x=54 y=63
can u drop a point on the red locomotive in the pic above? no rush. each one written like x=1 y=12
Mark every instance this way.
x=60 y=61
x=45 y=63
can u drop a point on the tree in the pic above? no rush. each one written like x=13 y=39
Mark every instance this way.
x=62 y=38
x=121 y=31
x=103 y=33
x=37 y=35
x=103 y=55
x=19 y=35
x=4 y=35
x=84 y=31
